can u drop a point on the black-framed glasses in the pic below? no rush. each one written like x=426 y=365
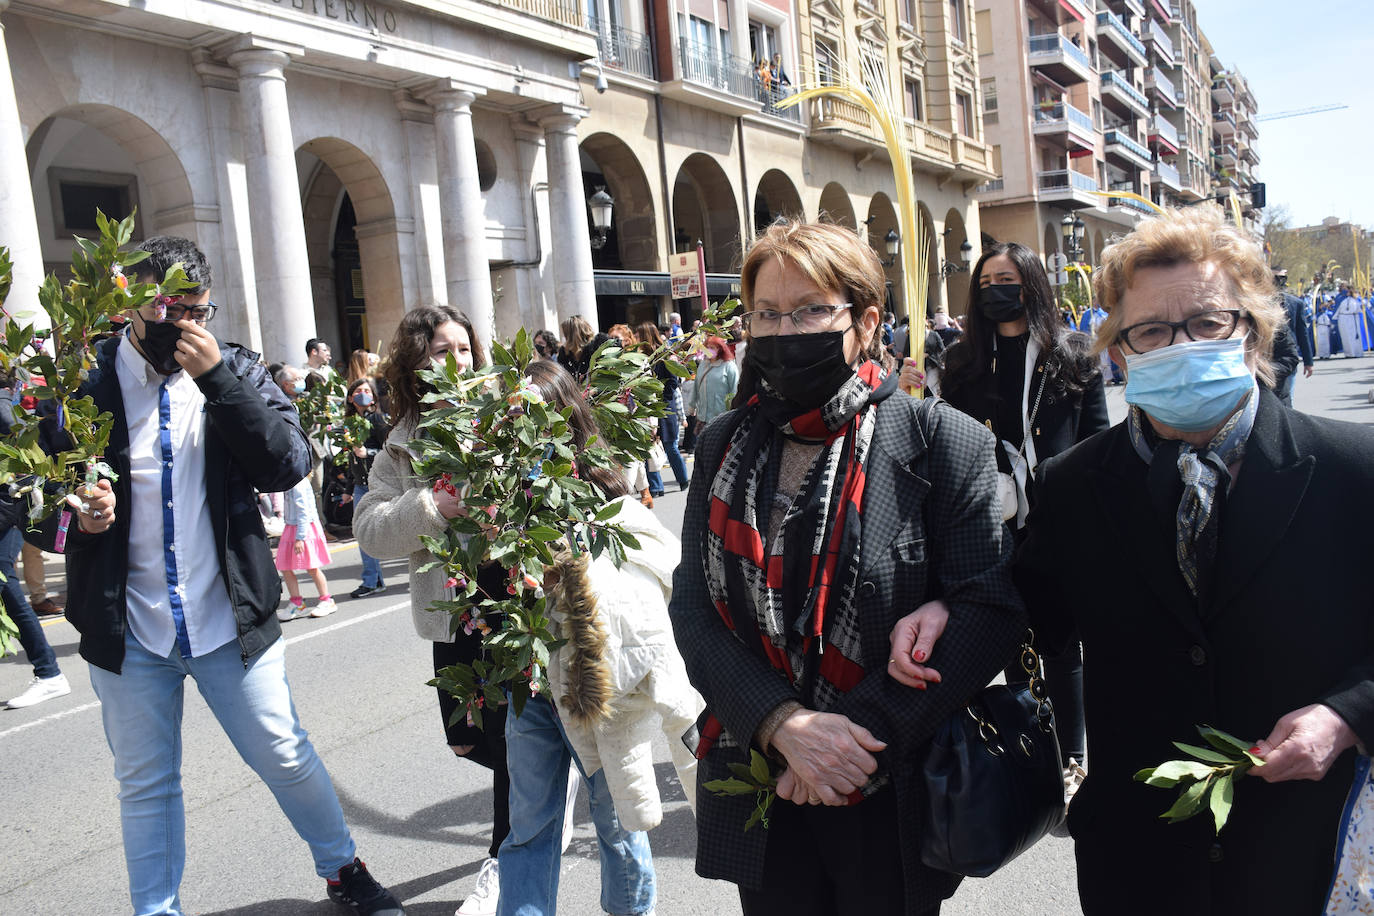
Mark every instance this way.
x=201 y=314
x=1214 y=324
x=807 y=319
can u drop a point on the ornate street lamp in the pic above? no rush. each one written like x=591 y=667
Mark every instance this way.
x=949 y=268
x=892 y=244
x=601 y=205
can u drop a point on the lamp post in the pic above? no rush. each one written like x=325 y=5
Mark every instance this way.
x=949 y=268
x=1073 y=228
x=601 y=205
x=892 y=244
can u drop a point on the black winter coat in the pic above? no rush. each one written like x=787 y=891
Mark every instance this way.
x=1276 y=635
x=254 y=442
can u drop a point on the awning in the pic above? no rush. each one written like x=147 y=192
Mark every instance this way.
x=640 y=283
x=1071 y=9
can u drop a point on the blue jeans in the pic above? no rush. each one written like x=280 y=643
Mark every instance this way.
x=538 y=755
x=372 y=567
x=41 y=655
x=669 y=427
x=141 y=709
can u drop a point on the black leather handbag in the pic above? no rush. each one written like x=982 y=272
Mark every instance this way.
x=993 y=781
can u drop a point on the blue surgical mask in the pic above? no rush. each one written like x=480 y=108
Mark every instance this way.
x=362 y=398
x=298 y=386
x=1190 y=386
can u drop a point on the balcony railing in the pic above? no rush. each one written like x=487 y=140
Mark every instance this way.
x=568 y=12
x=770 y=98
x=1164 y=130
x=926 y=139
x=1112 y=79
x=1163 y=43
x=1161 y=83
x=1055 y=43
x=991 y=186
x=829 y=111
x=704 y=64
x=1064 y=180
x=1128 y=203
x=1115 y=136
x=1222 y=115
x=1062 y=111
x=1168 y=174
x=1112 y=22
x=622 y=49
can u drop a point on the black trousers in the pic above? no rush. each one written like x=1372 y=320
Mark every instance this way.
x=823 y=861
x=488 y=743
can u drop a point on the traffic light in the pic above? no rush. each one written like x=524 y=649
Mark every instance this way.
x=1257 y=195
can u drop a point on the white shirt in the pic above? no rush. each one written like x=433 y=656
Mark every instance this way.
x=175 y=594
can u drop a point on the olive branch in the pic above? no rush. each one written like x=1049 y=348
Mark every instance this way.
x=1208 y=781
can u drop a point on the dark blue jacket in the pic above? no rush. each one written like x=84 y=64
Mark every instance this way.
x=253 y=442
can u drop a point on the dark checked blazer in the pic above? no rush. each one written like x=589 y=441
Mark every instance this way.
x=1275 y=634
x=931 y=528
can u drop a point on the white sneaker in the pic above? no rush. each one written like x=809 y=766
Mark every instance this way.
x=482 y=900
x=42 y=688
x=324 y=608
x=569 y=808
x=292 y=611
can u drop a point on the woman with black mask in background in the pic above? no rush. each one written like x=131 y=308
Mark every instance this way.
x=1035 y=383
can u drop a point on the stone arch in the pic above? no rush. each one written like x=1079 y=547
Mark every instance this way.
x=1099 y=245
x=1051 y=241
x=935 y=300
x=350 y=225
x=956 y=286
x=704 y=207
x=882 y=218
x=776 y=196
x=632 y=242
x=836 y=206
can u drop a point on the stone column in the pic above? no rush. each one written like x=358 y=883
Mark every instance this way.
x=417 y=121
x=575 y=287
x=533 y=271
x=280 y=263
x=18 y=222
x=466 y=269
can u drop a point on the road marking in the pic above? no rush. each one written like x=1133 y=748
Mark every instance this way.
x=300 y=638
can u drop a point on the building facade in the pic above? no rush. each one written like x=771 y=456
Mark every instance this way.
x=344 y=161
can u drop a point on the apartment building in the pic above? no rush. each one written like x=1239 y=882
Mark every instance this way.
x=1076 y=88
x=1234 y=133
x=689 y=141
x=1093 y=96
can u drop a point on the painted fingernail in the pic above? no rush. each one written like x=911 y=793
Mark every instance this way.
x=1255 y=749
x=920 y=685
x=919 y=655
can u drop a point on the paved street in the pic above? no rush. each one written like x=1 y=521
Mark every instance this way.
x=419 y=816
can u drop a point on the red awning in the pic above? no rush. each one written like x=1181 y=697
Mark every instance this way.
x=1069 y=7
x=1079 y=153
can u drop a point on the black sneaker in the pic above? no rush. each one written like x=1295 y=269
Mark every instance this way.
x=362 y=591
x=356 y=888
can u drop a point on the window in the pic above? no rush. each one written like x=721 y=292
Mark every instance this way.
x=965 y=105
x=989 y=96
x=827 y=63
x=77 y=193
x=958 y=28
x=983 y=30
x=908 y=11
x=915 y=110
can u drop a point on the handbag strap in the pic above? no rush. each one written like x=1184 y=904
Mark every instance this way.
x=1029 y=660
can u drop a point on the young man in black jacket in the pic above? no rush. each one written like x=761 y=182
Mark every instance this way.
x=169 y=575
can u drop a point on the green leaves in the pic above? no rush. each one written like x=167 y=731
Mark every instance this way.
x=754 y=778
x=1208 y=782
x=514 y=464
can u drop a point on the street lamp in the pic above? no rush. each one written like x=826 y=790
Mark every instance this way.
x=1073 y=232
x=601 y=205
x=892 y=244
x=949 y=268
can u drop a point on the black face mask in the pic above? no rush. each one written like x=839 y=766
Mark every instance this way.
x=806 y=369
x=1001 y=302
x=159 y=344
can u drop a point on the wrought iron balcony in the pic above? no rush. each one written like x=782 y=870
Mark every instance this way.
x=622 y=49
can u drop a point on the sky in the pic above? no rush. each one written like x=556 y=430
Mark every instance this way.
x=1300 y=55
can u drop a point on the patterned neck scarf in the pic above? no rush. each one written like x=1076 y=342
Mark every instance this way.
x=1201 y=471
x=797 y=603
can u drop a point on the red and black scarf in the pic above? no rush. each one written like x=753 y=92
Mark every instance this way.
x=796 y=605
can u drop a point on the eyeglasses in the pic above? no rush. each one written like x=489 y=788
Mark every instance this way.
x=165 y=308
x=807 y=319
x=1214 y=324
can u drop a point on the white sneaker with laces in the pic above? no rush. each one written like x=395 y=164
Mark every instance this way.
x=482 y=900
x=324 y=608
x=292 y=611
x=42 y=688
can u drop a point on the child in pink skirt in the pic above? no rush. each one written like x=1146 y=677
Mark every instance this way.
x=302 y=546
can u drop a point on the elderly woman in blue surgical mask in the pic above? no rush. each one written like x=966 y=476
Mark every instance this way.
x=1198 y=609
x=822 y=508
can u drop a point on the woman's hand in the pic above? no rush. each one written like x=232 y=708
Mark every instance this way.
x=831 y=755
x=913 y=640
x=450 y=505
x=1303 y=744
x=911 y=377
x=359 y=452
x=94 y=505
x=300 y=549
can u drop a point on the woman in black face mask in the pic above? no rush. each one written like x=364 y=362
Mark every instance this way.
x=1035 y=383
x=825 y=506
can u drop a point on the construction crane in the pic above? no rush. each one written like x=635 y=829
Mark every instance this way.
x=1298 y=112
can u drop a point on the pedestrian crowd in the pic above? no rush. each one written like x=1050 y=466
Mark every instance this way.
x=855 y=566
